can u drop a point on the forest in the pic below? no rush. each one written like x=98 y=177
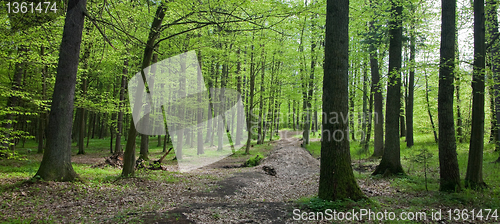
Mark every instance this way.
x=250 y=111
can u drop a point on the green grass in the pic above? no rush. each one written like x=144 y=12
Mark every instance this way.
x=413 y=183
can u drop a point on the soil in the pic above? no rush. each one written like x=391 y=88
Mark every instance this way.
x=256 y=196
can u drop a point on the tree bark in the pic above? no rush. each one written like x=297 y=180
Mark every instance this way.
x=474 y=175
x=250 y=106
x=337 y=180
x=391 y=161
x=56 y=161
x=378 y=118
x=121 y=105
x=411 y=89
x=129 y=154
x=448 y=162
x=495 y=67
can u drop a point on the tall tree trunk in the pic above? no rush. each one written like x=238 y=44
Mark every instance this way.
x=144 y=149
x=378 y=118
x=336 y=180
x=239 y=118
x=495 y=66
x=121 y=105
x=129 y=155
x=352 y=96
x=81 y=134
x=250 y=106
x=91 y=118
x=56 y=161
x=474 y=175
x=310 y=86
x=43 y=114
x=448 y=162
x=402 y=116
x=460 y=134
x=364 y=140
x=391 y=161
x=260 y=140
x=411 y=89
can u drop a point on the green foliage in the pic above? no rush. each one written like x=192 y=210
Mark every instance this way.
x=253 y=161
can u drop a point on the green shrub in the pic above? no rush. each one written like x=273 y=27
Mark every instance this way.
x=253 y=161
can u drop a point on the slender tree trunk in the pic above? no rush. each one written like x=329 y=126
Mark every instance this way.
x=448 y=162
x=129 y=155
x=43 y=114
x=250 y=107
x=260 y=140
x=427 y=90
x=411 y=90
x=336 y=180
x=474 y=175
x=121 y=105
x=81 y=135
x=90 y=119
x=239 y=119
x=364 y=140
x=352 y=96
x=391 y=161
x=144 y=149
x=495 y=67
x=56 y=161
x=378 y=118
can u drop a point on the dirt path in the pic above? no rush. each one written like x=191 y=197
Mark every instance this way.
x=249 y=195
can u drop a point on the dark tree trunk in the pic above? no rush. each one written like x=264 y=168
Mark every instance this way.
x=448 y=162
x=56 y=161
x=91 y=118
x=129 y=155
x=239 y=118
x=310 y=86
x=43 y=114
x=260 y=140
x=121 y=105
x=352 y=96
x=144 y=148
x=402 y=116
x=250 y=107
x=427 y=90
x=81 y=122
x=411 y=90
x=474 y=175
x=495 y=67
x=378 y=118
x=337 y=180
x=391 y=161
x=364 y=140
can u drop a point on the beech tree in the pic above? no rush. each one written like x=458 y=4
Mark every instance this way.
x=391 y=161
x=474 y=175
x=336 y=176
x=448 y=162
x=56 y=162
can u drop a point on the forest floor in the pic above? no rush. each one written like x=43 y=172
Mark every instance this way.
x=222 y=192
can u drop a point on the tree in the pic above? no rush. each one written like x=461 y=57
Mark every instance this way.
x=336 y=177
x=129 y=154
x=448 y=162
x=378 y=118
x=474 y=175
x=56 y=162
x=493 y=50
x=391 y=161
x=411 y=85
